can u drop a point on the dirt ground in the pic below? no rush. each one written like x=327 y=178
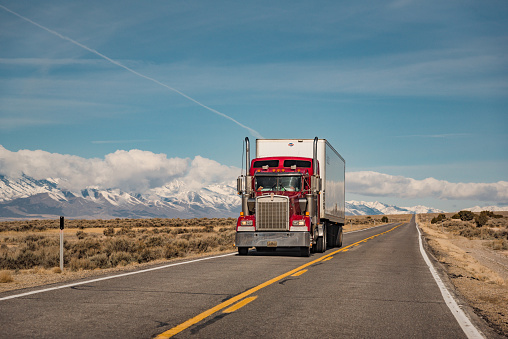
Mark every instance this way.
x=476 y=265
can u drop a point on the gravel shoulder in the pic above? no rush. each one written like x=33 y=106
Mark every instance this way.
x=476 y=272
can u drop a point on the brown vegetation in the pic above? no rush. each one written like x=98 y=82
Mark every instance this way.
x=93 y=244
x=473 y=248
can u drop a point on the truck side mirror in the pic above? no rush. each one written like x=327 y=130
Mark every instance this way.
x=240 y=184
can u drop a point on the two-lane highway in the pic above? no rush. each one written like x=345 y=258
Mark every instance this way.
x=376 y=285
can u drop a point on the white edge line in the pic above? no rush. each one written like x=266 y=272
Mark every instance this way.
x=113 y=277
x=469 y=329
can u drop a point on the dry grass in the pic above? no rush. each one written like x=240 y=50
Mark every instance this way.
x=6 y=277
x=33 y=246
x=476 y=261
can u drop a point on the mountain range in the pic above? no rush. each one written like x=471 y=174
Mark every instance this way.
x=28 y=198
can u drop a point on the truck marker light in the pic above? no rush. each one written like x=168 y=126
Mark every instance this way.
x=241 y=214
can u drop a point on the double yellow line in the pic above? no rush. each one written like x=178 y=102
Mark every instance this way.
x=179 y=328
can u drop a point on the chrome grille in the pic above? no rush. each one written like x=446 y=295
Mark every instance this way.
x=272 y=213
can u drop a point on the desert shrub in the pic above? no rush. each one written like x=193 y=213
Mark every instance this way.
x=26 y=258
x=439 y=218
x=6 y=277
x=52 y=258
x=149 y=254
x=81 y=263
x=120 y=258
x=481 y=220
x=84 y=248
x=500 y=245
x=208 y=228
x=109 y=231
x=81 y=235
x=384 y=219
x=171 y=251
x=186 y=236
x=201 y=245
x=155 y=241
x=119 y=245
x=126 y=230
x=100 y=260
x=464 y=215
x=469 y=232
x=488 y=214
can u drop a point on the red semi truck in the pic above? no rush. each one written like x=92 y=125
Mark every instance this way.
x=293 y=195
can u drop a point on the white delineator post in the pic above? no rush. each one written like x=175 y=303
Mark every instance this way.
x=61 y=243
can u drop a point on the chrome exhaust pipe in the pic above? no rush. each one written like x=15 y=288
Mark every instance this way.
x=314 y=156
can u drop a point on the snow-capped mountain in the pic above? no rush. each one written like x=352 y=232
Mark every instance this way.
x=375 y=208
x=488 y=208
x=27 y=198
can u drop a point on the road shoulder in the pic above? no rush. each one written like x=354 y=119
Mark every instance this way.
x=482 y=298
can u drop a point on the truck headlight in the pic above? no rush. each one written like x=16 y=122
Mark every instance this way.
x=246 y=223
x=299 y=222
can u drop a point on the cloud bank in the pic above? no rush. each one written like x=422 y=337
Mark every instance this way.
x=138 y=171
x=379 y=184
x=131 y=171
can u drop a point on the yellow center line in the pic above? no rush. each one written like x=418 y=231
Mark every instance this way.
x=329 y=258
x=299 y=273
x=239 y=305
x=179 y=328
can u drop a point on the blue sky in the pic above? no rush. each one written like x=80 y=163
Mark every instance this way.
x=409 y=89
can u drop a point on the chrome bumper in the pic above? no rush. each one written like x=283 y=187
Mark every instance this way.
x=272 y=239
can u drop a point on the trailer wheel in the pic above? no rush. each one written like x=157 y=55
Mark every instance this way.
x=339 y=237
x=333 y=233
x=305 y=251
x=243 y=250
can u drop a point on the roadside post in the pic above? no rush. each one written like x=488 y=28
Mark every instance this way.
x=61 y=243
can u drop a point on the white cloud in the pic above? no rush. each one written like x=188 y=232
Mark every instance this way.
x=139 y=171
x=131 y=171
x=378 y=184
x=204 y=171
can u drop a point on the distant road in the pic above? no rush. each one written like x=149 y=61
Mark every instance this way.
x=376 y=286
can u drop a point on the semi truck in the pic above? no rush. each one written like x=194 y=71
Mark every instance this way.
x=293 y=196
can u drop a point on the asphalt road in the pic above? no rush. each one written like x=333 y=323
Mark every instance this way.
x=378 y=288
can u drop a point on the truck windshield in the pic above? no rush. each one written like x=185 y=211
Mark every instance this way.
x=278 y=183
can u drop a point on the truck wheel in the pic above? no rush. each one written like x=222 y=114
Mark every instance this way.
x=321 y=243
x=243 y=250
x=305 y=251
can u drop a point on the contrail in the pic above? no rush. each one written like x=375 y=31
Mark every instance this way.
x=252 y=131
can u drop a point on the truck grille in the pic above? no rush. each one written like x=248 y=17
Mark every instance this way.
x=272 y=213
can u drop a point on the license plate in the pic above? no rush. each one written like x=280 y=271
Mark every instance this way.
x=271 y=244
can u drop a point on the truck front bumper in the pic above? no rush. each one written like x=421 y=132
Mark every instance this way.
x=272 y=239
